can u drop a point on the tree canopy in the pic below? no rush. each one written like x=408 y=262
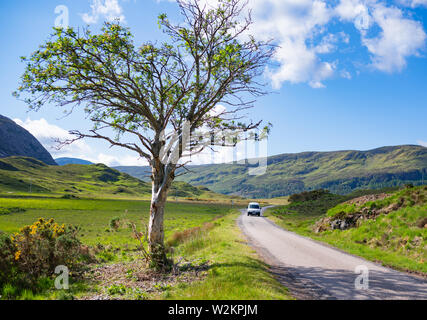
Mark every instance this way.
x=154 y=91
x=145 y=89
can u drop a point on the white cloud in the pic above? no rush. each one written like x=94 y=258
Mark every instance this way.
x=47 y=133
x=422 y=143
x=351 y=9
x=399 y=39
x=294 y=24
x=413 y=3
x=115 y=160
x=218 y=110
x=105 y=9
x=300 y=29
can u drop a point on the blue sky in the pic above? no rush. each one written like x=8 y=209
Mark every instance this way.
x=350 y=74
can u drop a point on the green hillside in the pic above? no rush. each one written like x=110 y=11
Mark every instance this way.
x=24 y=175
x=340 y=172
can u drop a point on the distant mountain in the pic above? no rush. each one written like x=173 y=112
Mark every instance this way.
x=339 y=171
x=63 y=161
x=16 y=141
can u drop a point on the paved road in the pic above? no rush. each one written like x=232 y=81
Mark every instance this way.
x=316 y=271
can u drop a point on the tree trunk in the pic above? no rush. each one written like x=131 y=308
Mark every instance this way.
x=162 y=177
x=156 y=230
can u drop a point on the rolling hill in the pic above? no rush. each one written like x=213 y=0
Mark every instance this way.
x=23 y=175
x=339 y=171
x=16 y=141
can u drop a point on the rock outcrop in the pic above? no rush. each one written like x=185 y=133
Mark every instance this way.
x=344 y=221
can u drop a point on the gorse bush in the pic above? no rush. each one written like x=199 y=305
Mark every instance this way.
x=7 y=252
x=42 y=246
x=28 y=258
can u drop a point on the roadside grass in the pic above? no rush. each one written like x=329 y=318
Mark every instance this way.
x=46 y=291
x=395 y=240
x=235 y=271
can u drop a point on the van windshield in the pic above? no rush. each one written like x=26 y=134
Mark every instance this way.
x=253 y=206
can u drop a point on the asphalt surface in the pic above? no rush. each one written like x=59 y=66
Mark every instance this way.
x=312 y=270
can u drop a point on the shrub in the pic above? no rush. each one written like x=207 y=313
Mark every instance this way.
x=70 y=196
x=115 y=223
x=63 y=295
x=28 y=258
x=308 y=195
x=106 y=256
x=42 y=246
x=10 y=210
x=422 y=223
x=7 y=252
x=122 y=190
x=9 y=291
x=117 y=289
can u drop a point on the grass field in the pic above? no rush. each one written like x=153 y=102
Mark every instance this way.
x=395 y=239
x=234 y=271
x=94 y=216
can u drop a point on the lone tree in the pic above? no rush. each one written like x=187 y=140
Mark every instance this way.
x=155 y=92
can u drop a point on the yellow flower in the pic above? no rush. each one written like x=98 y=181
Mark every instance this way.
x=33 y=229
x=17 y=254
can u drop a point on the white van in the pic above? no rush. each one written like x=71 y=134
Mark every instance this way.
x=254 y=209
